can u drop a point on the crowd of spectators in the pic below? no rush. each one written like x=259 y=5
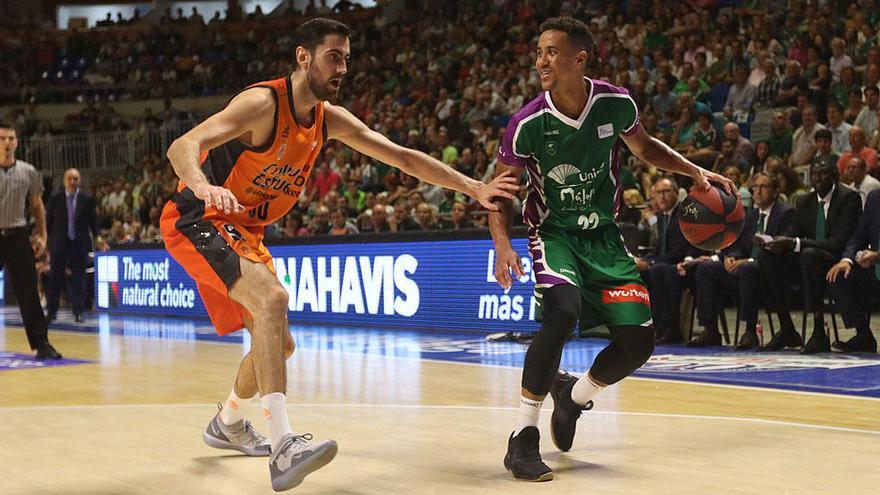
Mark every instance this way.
x=701 y=74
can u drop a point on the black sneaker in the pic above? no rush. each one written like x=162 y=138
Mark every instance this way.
x=565 y=411
x=523 y=459
x=46 y=351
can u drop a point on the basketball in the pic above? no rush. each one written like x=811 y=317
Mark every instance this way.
x=711 y=219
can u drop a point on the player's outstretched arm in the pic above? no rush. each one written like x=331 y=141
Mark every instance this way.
x=500 y=222
x=652 y=150
x=250 y=116
x=345 y=127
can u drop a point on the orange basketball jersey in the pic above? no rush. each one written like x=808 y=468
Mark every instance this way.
x=267 y=180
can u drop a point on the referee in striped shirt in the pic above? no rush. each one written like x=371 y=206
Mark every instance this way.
x=20 y=182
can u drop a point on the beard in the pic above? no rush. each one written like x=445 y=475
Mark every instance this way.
x=322 y=91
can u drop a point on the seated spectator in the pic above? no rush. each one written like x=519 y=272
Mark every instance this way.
x=780 y=136
x=325 y=180
x=856 y=176
x=745 y=150
x=867 y=117
x=839 y=128
x=791 y=186
x=762 y=154
x=293 y=225
x=376 y=221
x=734 y=174
x=856 y=275
x=664 y=101
x=768 y=89
x=458 y=218
x=683 y=130
x=824 y=153
x=727 y=158
x=736 y=268
x=320 y=223
x=401 y=221
x=823 y=222
x=426 y=217
x=339 y=224
x=803 y=146
x=857 y=142
x=659 y=268
x=740 y=96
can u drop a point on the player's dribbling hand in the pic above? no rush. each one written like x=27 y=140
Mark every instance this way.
x=702 y=179
x=506 y=260
x=218 y=197
x=504 y=185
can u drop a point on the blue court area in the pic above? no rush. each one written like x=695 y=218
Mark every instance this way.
x=857 y=375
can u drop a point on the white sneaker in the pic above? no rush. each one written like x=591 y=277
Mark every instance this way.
x=297 y=457
x=239 y=436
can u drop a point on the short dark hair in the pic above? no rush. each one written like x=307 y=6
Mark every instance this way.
x=837 y=106
x=8 y=124
x=312 y=32
x=872 y=89
x=578 y=32
x=823 y=134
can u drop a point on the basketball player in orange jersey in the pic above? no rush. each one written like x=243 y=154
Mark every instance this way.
x=244 y=168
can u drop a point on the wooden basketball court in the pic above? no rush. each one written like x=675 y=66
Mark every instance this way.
x=130 y=422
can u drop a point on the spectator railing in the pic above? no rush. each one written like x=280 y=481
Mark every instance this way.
x=99 y=151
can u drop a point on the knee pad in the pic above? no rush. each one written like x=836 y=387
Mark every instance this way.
x=562 y=306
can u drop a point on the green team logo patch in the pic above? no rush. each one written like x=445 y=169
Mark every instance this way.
x=551 y=147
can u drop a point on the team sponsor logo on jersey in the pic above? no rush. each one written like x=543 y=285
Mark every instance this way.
x=626 y=293
x=722 y=363
x=552 y=132
x=551 y=147
x=605 y=131
x=561 y=173
x=286 y=131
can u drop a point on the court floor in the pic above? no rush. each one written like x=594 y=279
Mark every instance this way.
x=430 y=413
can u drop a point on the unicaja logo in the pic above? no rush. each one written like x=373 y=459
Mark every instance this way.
x=108 y=281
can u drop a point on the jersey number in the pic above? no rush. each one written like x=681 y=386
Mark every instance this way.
x=261 y=212
x=589 y=222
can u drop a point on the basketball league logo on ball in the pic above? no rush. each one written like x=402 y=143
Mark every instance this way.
x=711 y=219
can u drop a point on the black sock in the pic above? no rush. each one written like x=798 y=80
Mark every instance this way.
x=818 y=323
x=751 y=327
x=785 y=323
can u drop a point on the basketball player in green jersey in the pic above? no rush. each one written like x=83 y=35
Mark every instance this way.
x=566 y=140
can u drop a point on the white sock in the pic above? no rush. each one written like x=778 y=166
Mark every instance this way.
x=275 y=412
x=231 y=411
x=529 y=412
x=585 y=389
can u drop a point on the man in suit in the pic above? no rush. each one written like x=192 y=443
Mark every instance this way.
x=659 y=270
x=823 y=222
x=71 y=221
x=738 y=269
x=854 y=278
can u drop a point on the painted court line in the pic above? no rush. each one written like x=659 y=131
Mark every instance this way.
x=771 y=422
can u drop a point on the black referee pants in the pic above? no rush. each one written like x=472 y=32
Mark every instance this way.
x=17 y=259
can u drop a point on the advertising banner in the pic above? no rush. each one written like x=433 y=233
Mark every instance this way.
x=444 y=284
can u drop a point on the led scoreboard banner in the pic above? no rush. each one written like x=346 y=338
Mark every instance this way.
x=430 y=280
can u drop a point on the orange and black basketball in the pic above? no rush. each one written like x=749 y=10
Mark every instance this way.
x=711 y=219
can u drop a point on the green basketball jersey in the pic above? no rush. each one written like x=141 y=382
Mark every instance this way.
x=572 y=163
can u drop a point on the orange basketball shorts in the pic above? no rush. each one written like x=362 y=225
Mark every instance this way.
x=210 y=250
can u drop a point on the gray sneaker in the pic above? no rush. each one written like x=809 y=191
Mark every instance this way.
x=297 y=457
x=239 y=436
